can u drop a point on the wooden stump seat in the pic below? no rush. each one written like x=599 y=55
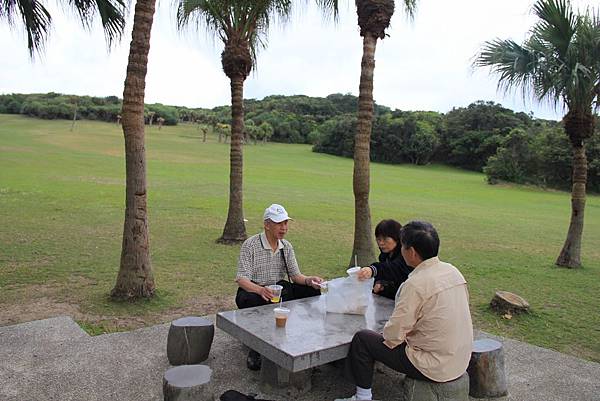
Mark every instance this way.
x=507 y=302
x=418 y=390
x=188 y=383
x=189 y=340
x=486 y=370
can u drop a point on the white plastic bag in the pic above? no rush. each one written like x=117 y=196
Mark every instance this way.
x=348 y=295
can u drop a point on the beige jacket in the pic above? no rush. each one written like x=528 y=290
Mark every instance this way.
x=432 y=316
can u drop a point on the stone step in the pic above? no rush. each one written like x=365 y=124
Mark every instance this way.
x=31 y=335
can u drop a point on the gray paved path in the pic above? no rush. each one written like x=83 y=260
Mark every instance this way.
x=53 y=359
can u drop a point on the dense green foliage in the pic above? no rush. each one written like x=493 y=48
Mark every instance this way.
x=61 y=205
x=296 y=119
x=542 y=158
x=483 y=136
x=52 y=106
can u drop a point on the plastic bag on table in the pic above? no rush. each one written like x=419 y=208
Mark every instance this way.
x=348 y=295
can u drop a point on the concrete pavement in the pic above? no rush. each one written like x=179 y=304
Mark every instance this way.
x=53 y=359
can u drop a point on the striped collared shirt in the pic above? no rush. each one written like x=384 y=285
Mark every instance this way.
x=260 y=264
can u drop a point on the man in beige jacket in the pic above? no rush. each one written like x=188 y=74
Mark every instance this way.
x=429 y=335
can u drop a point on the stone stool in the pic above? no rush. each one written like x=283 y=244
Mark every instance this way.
x=188 y=383
x=418 y=390
x=189 y=340
x=486 y=370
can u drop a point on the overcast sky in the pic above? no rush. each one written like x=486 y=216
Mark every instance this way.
x=424 y=64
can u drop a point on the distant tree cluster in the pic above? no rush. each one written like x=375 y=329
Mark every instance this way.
x=541 y=157
x=53 y=106
x=295 y=119
x=484 y=136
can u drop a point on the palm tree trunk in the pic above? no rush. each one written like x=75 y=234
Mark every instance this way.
x=135 y=278
x=363 y=237
x=570 y=255
x=235 y=229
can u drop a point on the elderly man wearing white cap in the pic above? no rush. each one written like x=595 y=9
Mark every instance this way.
x=266 y=259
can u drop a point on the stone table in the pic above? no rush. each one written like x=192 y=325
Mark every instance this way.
x=312 y=337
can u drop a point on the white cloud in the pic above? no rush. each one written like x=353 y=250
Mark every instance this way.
x=422 y=65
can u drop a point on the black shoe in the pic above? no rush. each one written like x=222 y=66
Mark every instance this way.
x=253 y=361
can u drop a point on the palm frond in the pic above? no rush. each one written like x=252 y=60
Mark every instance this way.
x=37 y=20
x=558 y=62
x=513 y=63
x=410 y=8
x=35 y=17
x=112 y=17
x=234 y=19
x=330 y=8
x=557 y=24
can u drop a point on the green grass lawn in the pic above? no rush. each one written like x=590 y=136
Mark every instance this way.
x=62 y=208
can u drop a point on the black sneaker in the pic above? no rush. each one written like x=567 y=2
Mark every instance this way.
x=253 y=361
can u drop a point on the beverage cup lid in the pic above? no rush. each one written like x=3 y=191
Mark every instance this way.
x=281 y=310
x=353 y=271
x=275 y=287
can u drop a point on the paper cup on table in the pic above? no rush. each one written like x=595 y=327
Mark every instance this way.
x=276 y=290
x=281 y=316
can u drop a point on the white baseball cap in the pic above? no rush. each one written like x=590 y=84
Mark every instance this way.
x=276 y=213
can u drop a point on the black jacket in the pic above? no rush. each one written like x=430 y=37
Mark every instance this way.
x=390 y=271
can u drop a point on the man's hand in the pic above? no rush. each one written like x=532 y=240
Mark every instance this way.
x=314 y=281
x=365 y=273
x=265 y=293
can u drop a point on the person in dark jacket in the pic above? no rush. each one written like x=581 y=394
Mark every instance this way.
x=391 y=270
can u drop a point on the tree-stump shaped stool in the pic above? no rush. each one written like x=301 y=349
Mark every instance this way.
x=486 y=370
x=418 y=390
x=507 y=302
x=188 y=383
x=189 y=340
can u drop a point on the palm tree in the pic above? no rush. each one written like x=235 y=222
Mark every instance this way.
x=37 y=20
x=373 y=18
x=242 y=27
x=135 y=278
x=559 y=62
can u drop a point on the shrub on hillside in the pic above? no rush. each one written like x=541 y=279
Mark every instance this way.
x=542 y=158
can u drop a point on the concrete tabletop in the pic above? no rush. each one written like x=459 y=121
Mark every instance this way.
x=312 y=337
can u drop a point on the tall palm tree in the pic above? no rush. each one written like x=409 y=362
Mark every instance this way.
x=37 y=20
x=373 y=18
x=135 y=278
x=559 y=62
x=242 y=27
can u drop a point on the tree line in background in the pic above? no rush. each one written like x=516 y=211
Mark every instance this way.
x=53 y=106
x=484 y=136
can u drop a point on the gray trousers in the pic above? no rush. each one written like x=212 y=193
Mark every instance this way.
x=367 y=347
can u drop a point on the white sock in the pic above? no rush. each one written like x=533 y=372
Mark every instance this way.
x=363 y=393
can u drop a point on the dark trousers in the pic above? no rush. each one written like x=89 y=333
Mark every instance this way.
x=245 y=299
x=367 y=347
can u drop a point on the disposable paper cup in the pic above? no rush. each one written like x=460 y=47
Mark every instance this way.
x=276 y=290
x=281 y=316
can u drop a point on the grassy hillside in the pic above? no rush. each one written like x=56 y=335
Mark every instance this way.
x=61 y=216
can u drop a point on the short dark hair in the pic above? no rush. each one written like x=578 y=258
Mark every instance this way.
x=422 y=236
x=388 y=228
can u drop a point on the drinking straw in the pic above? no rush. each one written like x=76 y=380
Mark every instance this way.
x=355 y=260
